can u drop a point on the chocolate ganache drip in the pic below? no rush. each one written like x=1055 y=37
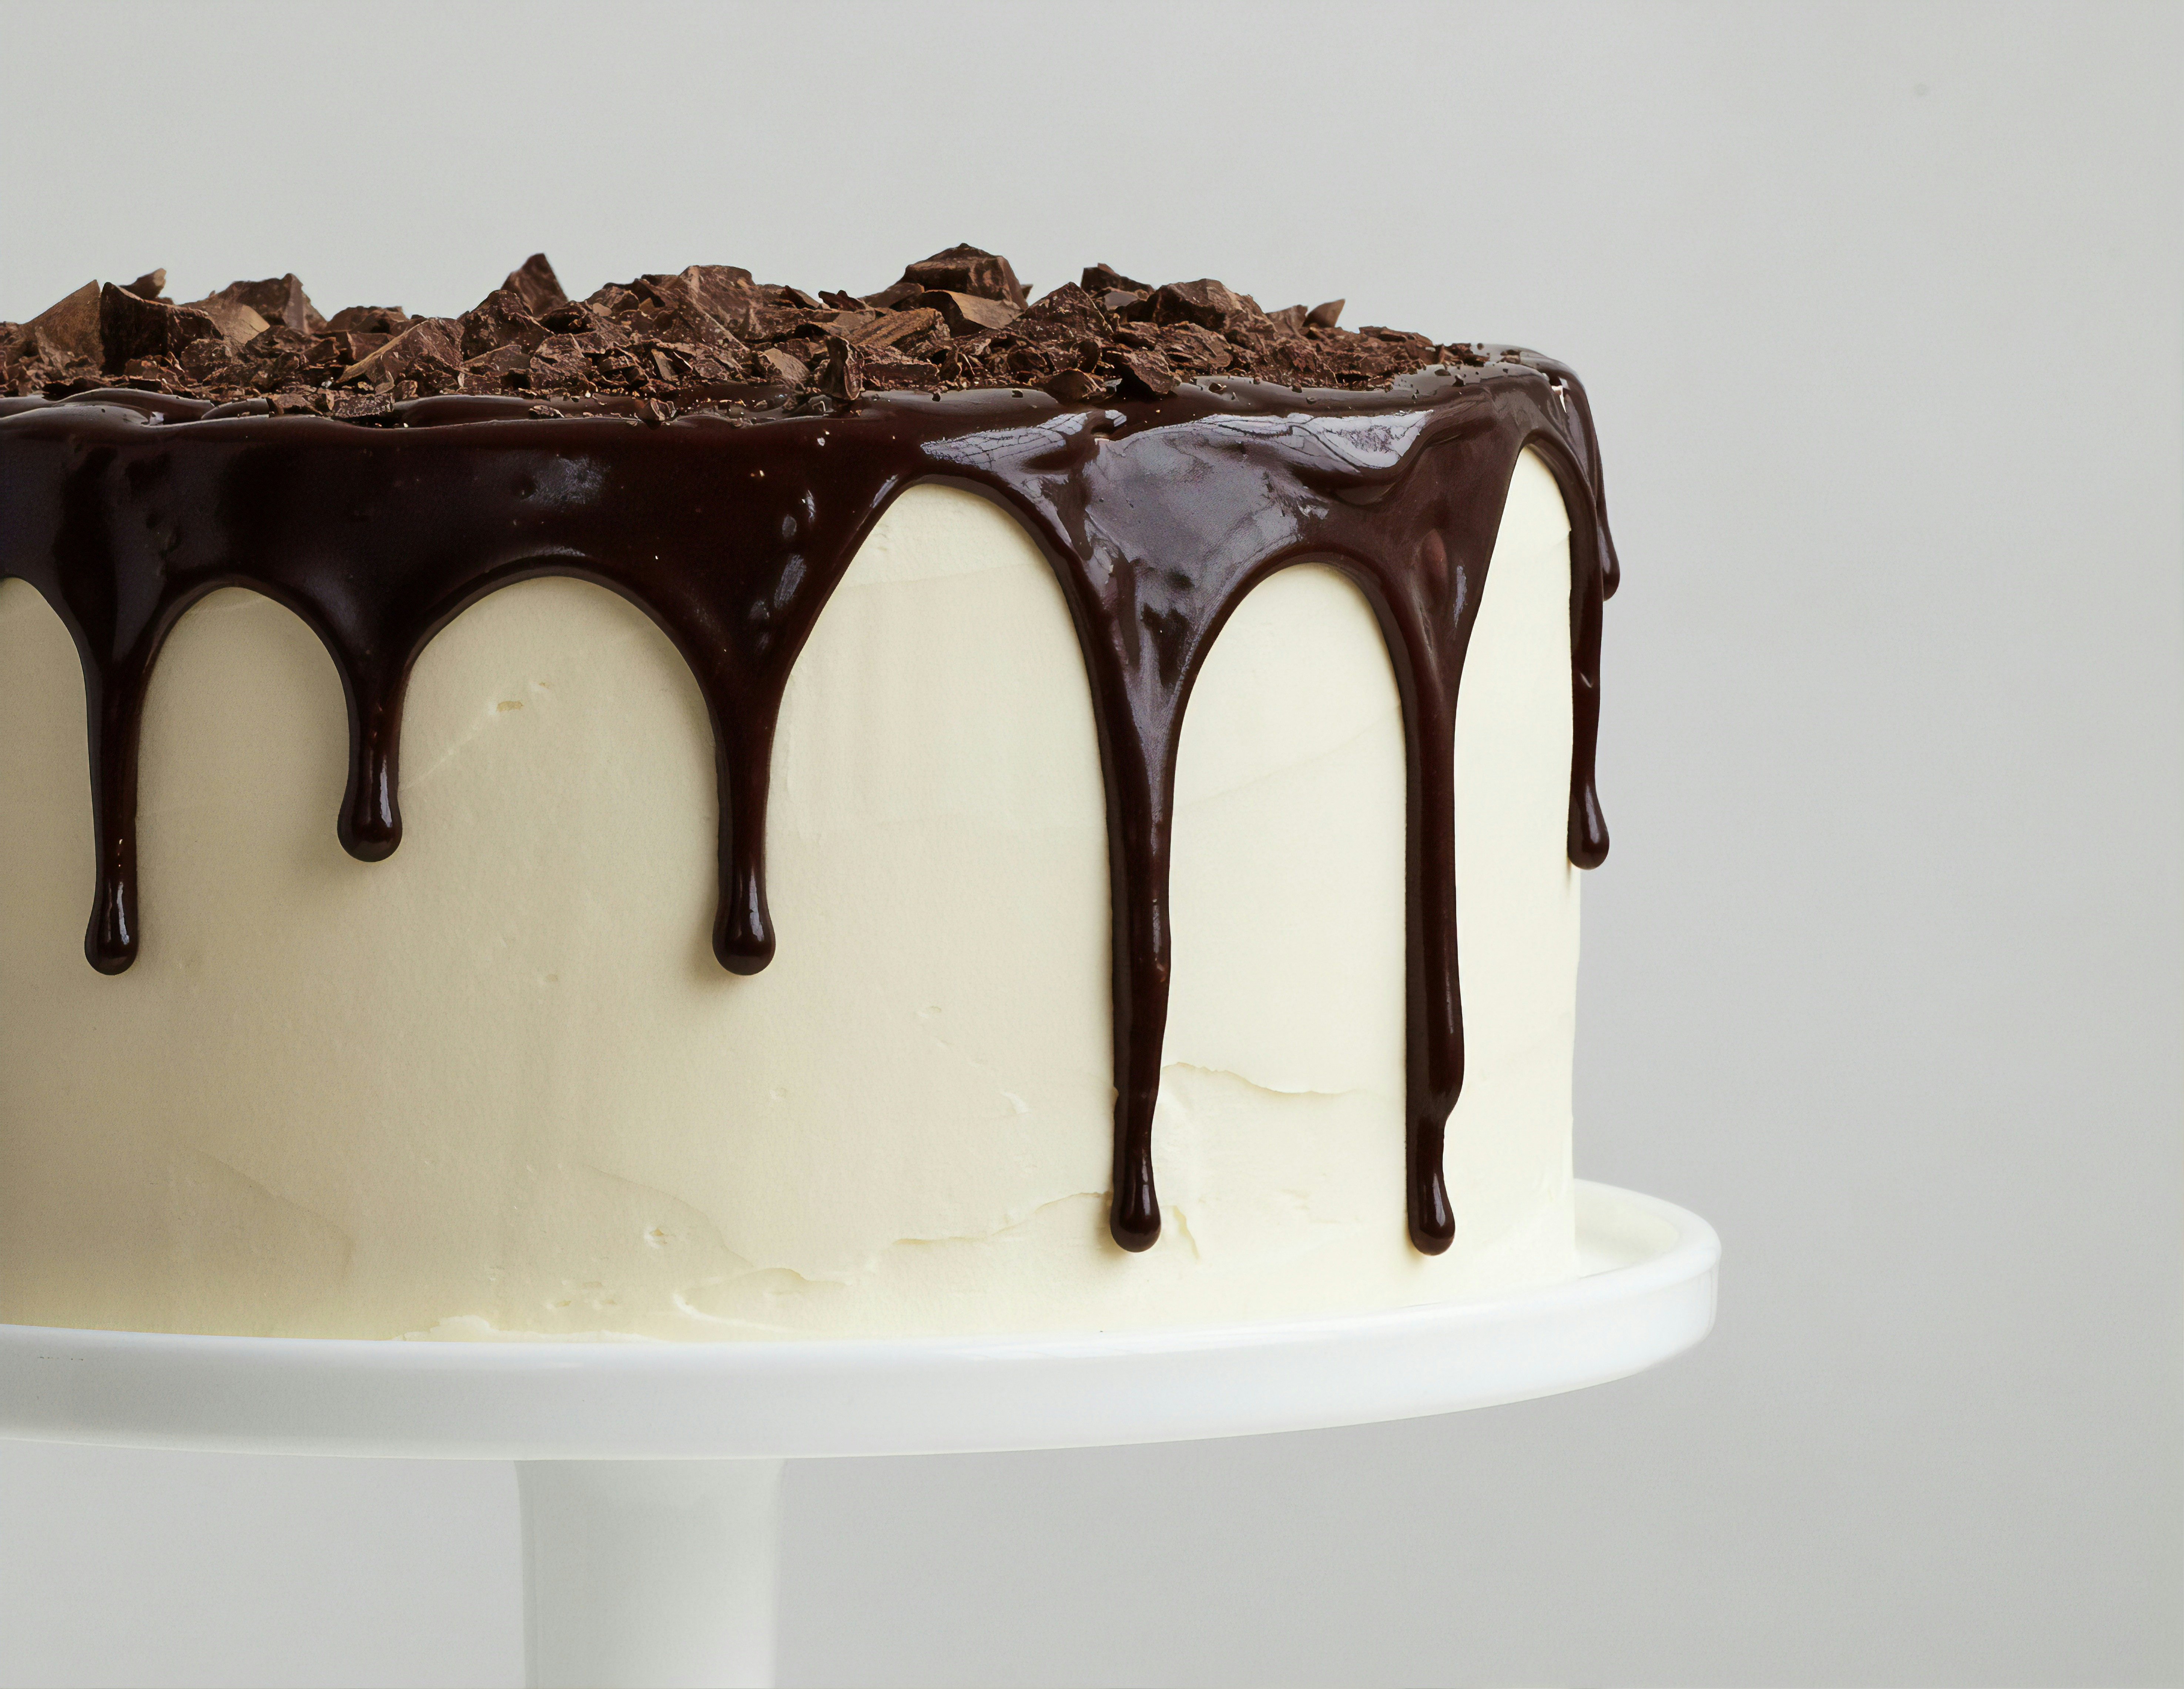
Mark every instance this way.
x=731 y=524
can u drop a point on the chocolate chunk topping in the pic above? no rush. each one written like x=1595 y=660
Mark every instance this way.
x=1074 y=386
x=370 y=319
x=236 y=321
x=842 y=376
x=535 y=285
x=966 y=270
x=280 y=300
x=964 y=313
x=708 y=335
x=1207 y=303
x=70 y=330
x=133 y=326
x=429 y=353
x=1100 y=278
x=1142 y=374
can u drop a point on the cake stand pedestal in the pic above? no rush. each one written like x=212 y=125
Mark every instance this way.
x=650 y=1474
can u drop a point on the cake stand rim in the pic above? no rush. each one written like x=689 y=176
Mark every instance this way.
x=806 y=1398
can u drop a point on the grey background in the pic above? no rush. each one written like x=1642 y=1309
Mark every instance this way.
x=1880 y=309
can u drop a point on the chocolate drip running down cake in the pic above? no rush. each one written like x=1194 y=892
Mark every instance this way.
x=920 y=812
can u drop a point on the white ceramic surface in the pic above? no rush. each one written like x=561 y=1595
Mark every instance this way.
x=1647 y=1293
x=658 y=1573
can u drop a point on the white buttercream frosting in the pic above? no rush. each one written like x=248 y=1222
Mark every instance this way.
x=497 y=1086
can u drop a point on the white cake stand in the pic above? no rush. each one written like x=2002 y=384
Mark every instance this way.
x=650 y=1474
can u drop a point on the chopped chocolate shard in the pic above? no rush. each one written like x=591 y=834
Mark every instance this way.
x=359 y=406
x=155 y=375
x=132 y=326
x=726 y=294
x=964 y=313
x=1297 y=360
x=842 y=376
x=429 y=353
x=559 y=362
x=667 y=308
x=683 y=365
x=500 y=319
x=959 y=317
x=968 y=269
x=1068 y=312
x=1196 y=349
x=892 y=328
x=533 y=282
x=345 y=348
x=236 y=321
x=884 y=370
x=960 y=367
x=845 y=324
x=148 y=286
x=1100 y=278
x=372 y=319
x=773 y=365
x=1074 y=386
x=1207 y=303
x=574 y=317
x=69 y=329
x=1143 y=375
x=281 y=300
x=496 y=369
x=282 y=356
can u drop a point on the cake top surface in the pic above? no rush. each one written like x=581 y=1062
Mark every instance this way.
x=709 y=335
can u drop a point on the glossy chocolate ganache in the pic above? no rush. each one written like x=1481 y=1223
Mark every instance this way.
x=715 y=451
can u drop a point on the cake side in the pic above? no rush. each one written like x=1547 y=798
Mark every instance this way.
x=529 y=1102
x=1175 y=519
